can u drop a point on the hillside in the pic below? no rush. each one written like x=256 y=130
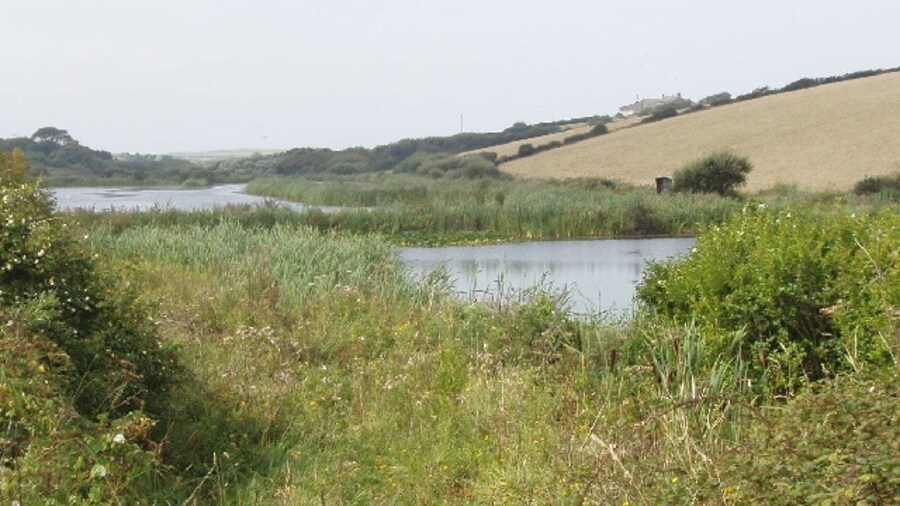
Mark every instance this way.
x=827 y=137
x=511 y=148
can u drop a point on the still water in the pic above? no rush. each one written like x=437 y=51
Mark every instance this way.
x=599 y=276
x=126 y=199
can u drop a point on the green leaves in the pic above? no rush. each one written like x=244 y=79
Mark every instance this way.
x=813 y=292
x=718 y=172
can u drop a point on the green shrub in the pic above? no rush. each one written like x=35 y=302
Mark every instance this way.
x=835 y=445
x=526 y=150
x=719 y=172
x=813 y=294
x=51 y=288
x=49 y=453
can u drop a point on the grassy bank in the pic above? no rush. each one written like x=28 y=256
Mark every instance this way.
x=302 y=365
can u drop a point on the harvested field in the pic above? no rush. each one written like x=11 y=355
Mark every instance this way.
x=821 y=138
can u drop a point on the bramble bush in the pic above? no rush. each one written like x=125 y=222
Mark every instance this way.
x=812 y=294
x=81 y=365
x=719 y=172
x=50 y=288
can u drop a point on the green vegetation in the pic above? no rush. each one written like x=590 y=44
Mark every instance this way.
x=437 y=212
x=62 y=160
x=801 y=296
x=721 y=172
x=81 y=365
x=407 y=155
x=260 y=356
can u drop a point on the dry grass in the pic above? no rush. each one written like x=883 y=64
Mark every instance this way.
x=822 y=138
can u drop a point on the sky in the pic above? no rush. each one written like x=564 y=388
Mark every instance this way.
x=191 y=75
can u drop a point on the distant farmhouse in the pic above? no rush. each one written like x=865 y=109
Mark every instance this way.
x=647 y=104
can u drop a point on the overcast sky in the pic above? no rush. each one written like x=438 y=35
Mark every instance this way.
x=162 y=76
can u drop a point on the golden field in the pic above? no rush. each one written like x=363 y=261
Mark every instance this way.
x=822 y=138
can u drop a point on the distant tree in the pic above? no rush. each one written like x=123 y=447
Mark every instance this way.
x=54 y=135
x=717 y=99
x=526 y=150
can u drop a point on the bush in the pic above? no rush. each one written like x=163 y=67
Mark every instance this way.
x=600 y=129
x=878 y=184
x=526 y=150
x=836 y=445
x=811 y=294
x=720 y=172
x=661 y=114
x=50 y=288
x=49 y=453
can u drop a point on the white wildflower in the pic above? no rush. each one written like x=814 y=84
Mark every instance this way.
x=98 y=471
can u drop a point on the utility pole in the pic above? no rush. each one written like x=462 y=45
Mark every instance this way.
x=460 y=123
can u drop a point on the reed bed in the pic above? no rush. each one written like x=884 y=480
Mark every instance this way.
x=418 y=208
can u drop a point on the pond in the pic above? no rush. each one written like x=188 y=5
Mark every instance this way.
x=126 y=199
x=598 y=276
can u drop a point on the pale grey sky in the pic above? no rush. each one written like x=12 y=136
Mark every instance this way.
x=179 y=75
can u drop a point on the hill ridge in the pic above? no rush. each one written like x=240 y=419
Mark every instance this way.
x=824 y=137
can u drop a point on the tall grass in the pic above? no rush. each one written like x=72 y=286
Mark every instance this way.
x=321 y=375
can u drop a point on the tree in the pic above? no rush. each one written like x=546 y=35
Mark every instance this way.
x=54 y=135
x=718 y=172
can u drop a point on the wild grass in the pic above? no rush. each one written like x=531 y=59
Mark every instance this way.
x=319 y=374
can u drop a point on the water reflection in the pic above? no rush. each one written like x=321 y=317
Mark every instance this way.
x=600 y=276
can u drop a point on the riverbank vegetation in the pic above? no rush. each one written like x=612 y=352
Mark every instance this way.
x=414 y=210
x=301 y=364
